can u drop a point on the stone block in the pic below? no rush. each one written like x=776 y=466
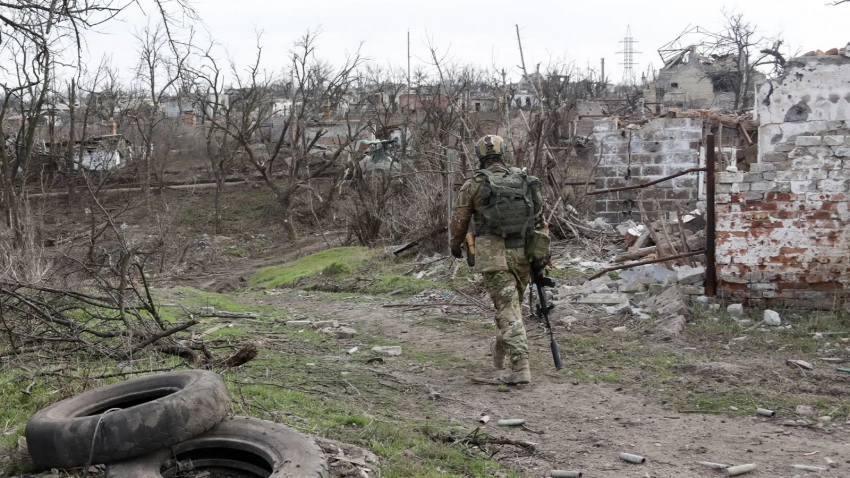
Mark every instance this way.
x=834 y=140
x=754 y=196
x=735 y=310
x=761 y=186
x=784 y=147
x=752 y=177
x=727 y=178
x=771 y=176
x=723 y=198
x=842 y=152
x=801 y=187
x=832 y=186
x=690 y=275
x=809 y=141
x=773 y=157
x=725 y=188
x=843 y=174
x=762 y=167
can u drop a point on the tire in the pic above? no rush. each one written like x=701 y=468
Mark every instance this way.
x=238 y=446
x=153 y=412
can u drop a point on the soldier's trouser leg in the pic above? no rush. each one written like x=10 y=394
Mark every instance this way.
x=506 y=289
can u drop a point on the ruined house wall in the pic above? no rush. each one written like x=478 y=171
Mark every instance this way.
x=783 y=229
x=693 y=90
x=662 y=147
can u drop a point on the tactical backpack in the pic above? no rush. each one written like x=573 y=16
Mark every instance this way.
x=508 y=206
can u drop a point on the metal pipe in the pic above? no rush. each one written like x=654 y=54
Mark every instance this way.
x=711 y=219
x=632 y=458
x=564 y=474
x=643 y=263
x=740 y=469
x=639 y=186
x=765 y=412
x=713 y=466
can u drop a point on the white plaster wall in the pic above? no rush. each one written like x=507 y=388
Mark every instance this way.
x=820 y=85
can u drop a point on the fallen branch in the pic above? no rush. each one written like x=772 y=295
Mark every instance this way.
x=163 y=334
x=481 y=440
x=244 y=355
x=417 y=241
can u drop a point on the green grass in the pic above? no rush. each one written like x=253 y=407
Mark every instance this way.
x=334 y=259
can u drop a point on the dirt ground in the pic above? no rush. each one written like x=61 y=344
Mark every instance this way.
x=582 y=426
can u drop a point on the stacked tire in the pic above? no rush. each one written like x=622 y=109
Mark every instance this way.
x=164 y=424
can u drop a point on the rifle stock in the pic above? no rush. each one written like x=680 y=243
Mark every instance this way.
x=543 y=309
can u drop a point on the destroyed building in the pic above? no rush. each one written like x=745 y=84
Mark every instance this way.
x=690 y=79
x=781 y=193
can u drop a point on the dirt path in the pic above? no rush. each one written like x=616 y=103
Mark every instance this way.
x=584 y=425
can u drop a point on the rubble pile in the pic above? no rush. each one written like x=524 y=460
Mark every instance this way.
x=660 y=290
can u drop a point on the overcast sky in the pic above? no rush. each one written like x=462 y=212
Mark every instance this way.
x=482 y=32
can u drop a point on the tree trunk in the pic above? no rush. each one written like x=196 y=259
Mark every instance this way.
x=71 y=134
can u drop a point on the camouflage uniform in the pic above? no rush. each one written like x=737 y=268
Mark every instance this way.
x=505 y=287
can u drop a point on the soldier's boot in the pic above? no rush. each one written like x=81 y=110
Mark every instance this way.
x=520 y=373
x=497 y=348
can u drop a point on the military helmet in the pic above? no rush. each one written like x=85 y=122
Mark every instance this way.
x=489 y=146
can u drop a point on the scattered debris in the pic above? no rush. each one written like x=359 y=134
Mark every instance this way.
x=298 y=323
x=800 y=363
x=804 y=410
x=511 y=422
x=772 y=318
x=765 y=412
x=736 y=310
x=353 y=350
x=346 y=333
x=628 y=457
x=810 y=468
x=713 y=466
x=484 y=419
x=325 y=323
x=830 y=462
x=604 y=299
x=389 y=351
x=740 y=469
x=565 y=474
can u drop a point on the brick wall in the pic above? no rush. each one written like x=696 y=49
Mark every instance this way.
x=662 y=147
x=783 y=229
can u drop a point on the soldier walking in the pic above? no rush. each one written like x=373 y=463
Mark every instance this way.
x=506 y=206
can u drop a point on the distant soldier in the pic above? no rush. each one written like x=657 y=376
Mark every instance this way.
x=506 y=206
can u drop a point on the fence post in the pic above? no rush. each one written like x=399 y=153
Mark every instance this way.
x=710 y=228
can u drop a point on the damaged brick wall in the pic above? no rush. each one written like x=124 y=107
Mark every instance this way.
x=783 y=228
x=638 y=155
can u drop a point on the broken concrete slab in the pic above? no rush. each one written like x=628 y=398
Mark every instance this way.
x=298 y=323
x=687 y=275
x=736 y=310
x=670 y=327
x=604 y=299
x=771 y=317
x=346 y=333
x=632 y=287
x=620 y=308
x=389 y=351
x=667 y=303
x=591 y=286
x=692 y=290
x=325 y=323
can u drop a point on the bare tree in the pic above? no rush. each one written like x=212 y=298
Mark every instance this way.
x=251 y=114
x=161 y=64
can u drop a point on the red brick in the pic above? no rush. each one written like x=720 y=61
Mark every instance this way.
x=793 y=250
x=820 y=215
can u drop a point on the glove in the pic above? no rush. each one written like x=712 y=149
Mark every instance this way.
x=457 y=252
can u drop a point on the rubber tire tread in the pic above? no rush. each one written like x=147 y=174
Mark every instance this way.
x=293 y=454
x=184 y=404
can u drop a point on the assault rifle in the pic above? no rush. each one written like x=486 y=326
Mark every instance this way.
x=543 y=308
